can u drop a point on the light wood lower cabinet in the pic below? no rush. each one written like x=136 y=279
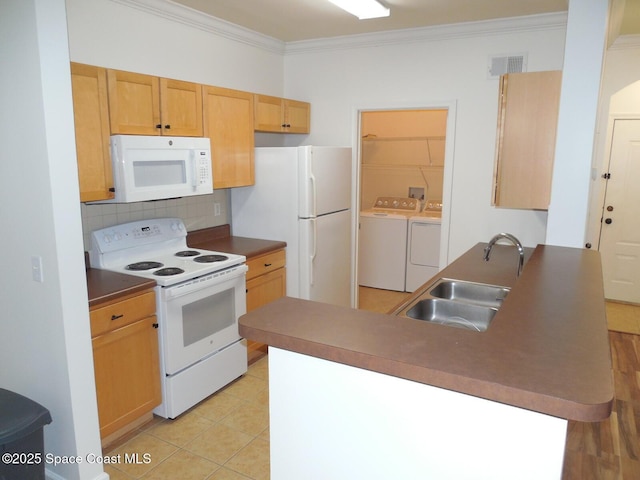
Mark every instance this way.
x=266 y=282
x=125 y=356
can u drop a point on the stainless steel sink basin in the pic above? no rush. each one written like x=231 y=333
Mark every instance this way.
x=454 y=314
x=456 y=303
x=469 y=292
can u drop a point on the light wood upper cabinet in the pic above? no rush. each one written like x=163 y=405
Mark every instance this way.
x=228 y=122
x=525 y=145
x=281 y=115
x=181 y=108
x=146 y=105
x=91 y=117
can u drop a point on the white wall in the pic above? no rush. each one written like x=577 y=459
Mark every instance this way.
x=448 y=65
x=45 y=345
x=584 y=52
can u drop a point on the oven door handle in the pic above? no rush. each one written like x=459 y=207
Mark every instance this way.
x=205 y=281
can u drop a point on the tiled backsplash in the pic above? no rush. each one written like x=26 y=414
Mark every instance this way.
x=196 y=212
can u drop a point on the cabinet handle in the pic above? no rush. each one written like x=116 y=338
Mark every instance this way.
x=116 y=317
x=167 y=127
x=158 y=126
x=267 y=264
x=112 y=189
x=155 y=325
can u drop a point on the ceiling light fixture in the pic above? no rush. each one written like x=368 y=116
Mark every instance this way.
x=363 y=9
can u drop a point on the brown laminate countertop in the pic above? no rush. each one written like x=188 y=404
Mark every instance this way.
x=105 y=286
x=547 y=349
x=219 y=239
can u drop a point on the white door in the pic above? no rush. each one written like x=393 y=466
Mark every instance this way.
x=325 y=258
x=620 y=230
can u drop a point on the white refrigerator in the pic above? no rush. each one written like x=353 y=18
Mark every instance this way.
x=302 y=195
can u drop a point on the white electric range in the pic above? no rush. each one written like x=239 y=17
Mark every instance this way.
x=200 y=295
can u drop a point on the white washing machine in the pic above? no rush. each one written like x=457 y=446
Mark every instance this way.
x=382 y=247
x=423 y=248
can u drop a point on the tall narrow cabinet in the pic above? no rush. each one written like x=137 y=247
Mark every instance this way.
x=91 y=118
x=526 y=139
x=228 y=123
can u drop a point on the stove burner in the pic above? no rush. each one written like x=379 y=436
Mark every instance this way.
x=166 y=272
x=138 y=266
x=187 y=253
x=210 y=258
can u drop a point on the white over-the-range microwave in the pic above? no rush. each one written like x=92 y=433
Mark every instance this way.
x=158 y=167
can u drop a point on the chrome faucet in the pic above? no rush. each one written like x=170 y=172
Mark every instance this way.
x=512 y=239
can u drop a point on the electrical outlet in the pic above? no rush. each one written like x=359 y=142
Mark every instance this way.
x=216 y=209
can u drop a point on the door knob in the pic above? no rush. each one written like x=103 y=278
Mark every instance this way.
x=609 y=208
x=608 y=221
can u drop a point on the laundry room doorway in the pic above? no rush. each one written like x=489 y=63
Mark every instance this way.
x=402 y=160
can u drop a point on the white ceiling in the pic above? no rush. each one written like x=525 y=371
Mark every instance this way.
x=293 y=20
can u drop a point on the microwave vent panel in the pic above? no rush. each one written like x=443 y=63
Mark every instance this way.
x=500 y=65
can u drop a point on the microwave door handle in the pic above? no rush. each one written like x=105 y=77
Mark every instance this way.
x=194 y=169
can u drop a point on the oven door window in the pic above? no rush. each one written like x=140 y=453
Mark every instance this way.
x=206 y=317
x=200 y=323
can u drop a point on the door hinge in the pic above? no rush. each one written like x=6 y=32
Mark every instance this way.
x=606 y=176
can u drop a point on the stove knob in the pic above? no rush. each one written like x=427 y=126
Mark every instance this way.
x=107 y=238
x=117 y=237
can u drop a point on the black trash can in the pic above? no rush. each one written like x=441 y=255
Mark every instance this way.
x=21 y=437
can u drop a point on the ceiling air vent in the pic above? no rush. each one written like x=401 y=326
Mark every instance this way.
x=506 y=64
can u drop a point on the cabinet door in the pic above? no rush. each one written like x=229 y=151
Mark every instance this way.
x=269 y=116
x=265 y=288
x=228 y=122
x=527 y=121
x=127 y=374
x=296 y=116
x=181 y=108
x=91 y=117
x=134 y=103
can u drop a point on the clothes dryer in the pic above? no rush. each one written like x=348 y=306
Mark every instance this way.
x=423 y=248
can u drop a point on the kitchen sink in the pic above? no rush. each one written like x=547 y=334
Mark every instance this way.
x=456 y=303
x=451 y=313
x=469 y=292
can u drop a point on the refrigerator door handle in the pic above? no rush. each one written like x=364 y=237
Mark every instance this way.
x=312 y=257
x=312 y=181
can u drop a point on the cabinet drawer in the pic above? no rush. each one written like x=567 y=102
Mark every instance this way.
x=122 y=313
x=265 y=263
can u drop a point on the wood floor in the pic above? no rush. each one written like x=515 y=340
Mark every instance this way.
x=607 y=450
x=610 y=450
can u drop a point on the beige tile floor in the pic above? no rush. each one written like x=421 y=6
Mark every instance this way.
x=226 y=436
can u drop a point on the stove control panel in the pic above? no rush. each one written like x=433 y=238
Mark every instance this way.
x=137 y=234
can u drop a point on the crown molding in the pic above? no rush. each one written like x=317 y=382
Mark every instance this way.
x=193 y=18
x=548 y=21
x=626 y=42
